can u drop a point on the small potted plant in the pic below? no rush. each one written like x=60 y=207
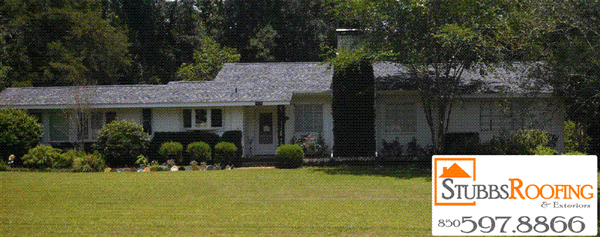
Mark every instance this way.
x=153 y=166
x=194 y=165
x=142 y=161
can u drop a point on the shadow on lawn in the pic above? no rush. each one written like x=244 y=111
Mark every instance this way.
x=383 y=171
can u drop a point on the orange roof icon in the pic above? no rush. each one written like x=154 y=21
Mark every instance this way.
x=454 y=172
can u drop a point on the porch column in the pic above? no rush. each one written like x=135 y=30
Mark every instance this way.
x=281 y=119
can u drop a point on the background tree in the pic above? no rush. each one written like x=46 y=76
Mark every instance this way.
x=272 y=30
x=61 y=42
x=569 y=34
x=208 y=60
x=437 y=41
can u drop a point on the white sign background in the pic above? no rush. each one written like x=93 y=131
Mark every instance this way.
x=538 y=170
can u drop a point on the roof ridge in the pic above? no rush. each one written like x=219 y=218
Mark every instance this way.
x=258 y=63
x=89 y=86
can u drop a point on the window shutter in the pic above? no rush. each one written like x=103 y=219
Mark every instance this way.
x=187 y=118
x=147 y=120
x=110 y=116
x=216 y=118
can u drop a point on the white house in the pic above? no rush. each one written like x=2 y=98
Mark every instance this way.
x=255 y=97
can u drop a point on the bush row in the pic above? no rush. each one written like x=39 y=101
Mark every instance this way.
x=43 y=157
x=521 y=142
x=225 y=152
x=187 y=138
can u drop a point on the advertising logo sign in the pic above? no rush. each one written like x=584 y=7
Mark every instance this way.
x=514 y=195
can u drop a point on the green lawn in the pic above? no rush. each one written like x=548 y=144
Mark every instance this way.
x=308 y=201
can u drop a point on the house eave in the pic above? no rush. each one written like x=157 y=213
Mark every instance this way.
x=152 y=105
x=474 y=95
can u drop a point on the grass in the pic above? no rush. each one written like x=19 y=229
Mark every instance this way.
x=306 y=202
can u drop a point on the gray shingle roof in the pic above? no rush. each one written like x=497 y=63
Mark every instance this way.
x=513 y=78
x=236 y=82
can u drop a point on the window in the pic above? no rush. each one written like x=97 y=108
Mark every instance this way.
x=201 y=121
x=201 y=118
x=147 y=120
x=96 y=124
x=216 y=118
x=401 y=118
x=110 y=116
x=59 y=127
x=309 y=118
x=494 y=116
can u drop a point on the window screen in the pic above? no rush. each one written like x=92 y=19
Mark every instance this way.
x=309 y=118
x=59 y=127
x=400 y=118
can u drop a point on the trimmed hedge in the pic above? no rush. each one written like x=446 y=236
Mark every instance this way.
x=225 y=153
x=235 y=137
x=199 y=151
x=170 y=149
x=289 y=156
x=185 y=138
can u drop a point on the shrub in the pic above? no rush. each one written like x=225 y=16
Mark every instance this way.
x=71 y=155
x=142 y=161
x=461 y=143
x=543 y=150
x=575 y=137
x=185 y=138
x=199 y=151
x=414 y=149
x=170 y=163
x=289 y=156
x=193 y=163
x=120 y=142
x=312 y=147
x=170 y=149
x=89 y=163
x=523 y=142
x=391 y=149
x=531 y=138
x=43 y=156
x=225 y=153
x=575 y=153
x=3 y=166
x=235 y=137
x=19 y=132
x=155 y=164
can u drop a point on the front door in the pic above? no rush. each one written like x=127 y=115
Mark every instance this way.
x=265 y=132
x=265 y=128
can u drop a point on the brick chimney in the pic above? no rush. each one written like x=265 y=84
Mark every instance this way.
x=348 y=38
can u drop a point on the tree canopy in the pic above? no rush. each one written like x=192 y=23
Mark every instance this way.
x=47 y=43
